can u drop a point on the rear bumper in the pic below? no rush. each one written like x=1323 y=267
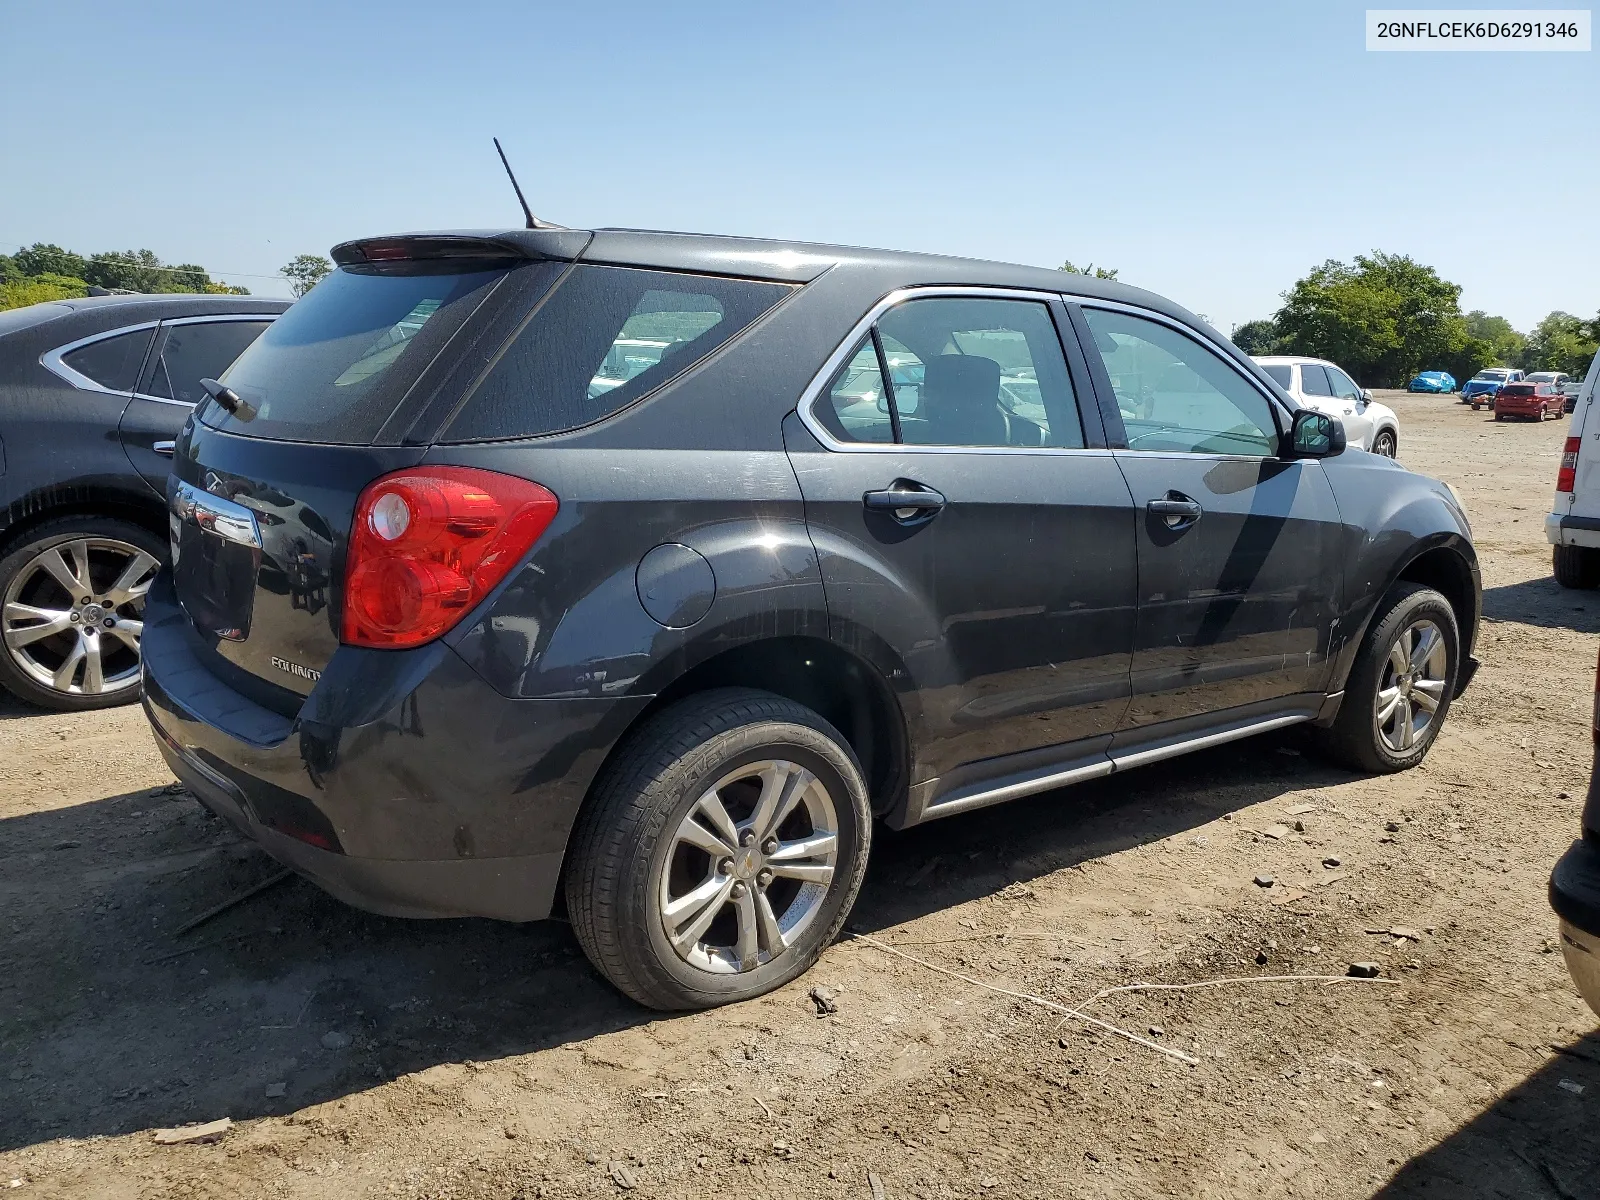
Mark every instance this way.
x=1572 y=531
x=406 y=785
x=1575 y=895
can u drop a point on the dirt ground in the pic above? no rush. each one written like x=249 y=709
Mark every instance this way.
x=364 y=1057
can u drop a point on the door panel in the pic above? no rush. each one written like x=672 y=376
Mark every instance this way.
x=1009 y=613
x=1237 y=606
x=1238 y=550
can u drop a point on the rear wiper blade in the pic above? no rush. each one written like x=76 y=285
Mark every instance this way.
x=229 y=399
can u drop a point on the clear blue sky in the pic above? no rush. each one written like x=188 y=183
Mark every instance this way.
x=1212 y=152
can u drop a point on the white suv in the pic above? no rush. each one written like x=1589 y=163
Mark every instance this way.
x=1573 y=526
x=1319 y=384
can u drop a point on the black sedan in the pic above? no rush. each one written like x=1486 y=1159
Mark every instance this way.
x=93 y=393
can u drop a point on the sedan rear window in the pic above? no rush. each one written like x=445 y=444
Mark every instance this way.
x=606 y=337
x=336 y=364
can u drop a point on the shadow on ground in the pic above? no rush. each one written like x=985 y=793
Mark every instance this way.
x=111 y=1021
x=1545 y=603
x=1540 y=1141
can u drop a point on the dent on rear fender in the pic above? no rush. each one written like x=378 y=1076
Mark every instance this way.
x=539 y=641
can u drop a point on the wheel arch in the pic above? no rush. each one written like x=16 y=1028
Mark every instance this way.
x=29 y=513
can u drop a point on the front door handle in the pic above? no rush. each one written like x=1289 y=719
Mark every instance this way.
x=1176 y=509
x=165 y=448
x=908 y=501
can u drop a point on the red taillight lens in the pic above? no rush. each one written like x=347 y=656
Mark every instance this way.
x=429 y=543
x=1567 y=476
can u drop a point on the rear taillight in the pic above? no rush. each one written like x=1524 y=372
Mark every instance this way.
x=428 y=544
x=1567 y=476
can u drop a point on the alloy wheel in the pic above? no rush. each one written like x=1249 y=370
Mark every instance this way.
x=1412 y=688
x=1384 y=445
x=749 y=867
x=72 y=618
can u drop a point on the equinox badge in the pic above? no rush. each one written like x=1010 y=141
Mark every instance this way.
x=296 y=669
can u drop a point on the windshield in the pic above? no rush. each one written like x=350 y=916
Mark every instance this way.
x=1492 y=376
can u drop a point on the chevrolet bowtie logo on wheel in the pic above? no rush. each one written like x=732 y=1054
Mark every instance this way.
x=284 y=664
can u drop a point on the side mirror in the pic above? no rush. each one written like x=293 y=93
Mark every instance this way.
x=1315 y=435
x=1366 y=395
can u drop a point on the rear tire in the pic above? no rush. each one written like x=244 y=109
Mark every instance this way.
x=72 y=670
x=1384 y=723
x=684 y=890
x=1575 y=566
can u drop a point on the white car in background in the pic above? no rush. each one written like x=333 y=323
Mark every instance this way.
x=1573 y=526
x=1322 y=385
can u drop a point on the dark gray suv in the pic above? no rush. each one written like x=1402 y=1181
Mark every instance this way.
x=648 y=571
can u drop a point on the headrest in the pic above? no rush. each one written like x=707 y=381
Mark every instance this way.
x=960 y=380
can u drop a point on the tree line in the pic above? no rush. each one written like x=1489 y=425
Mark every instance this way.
x=1386 y=317
x=42 y=272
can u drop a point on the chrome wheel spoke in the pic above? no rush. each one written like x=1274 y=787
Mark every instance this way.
x=1398 y=657
x=782 y=785
x=1404 y=727
x=73 y=577
x=94 y=680
x=697 y=835
x=128 y=632
x=69 y=668
x=1388 y=700
x=711 y=807
x=691 y=914
x=1422 y=700
x=134 y=581
x=748 y=947
x=45 y=622
x=819 y=845
x=1428 y=640
x=772 y=939
x=805 y=872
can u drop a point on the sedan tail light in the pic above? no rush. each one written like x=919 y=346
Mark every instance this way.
x=1567 y=476
x=427 y=544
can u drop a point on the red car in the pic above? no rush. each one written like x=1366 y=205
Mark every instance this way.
x=1536 y=400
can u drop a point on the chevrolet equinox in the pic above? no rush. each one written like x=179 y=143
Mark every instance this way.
x=645 y=573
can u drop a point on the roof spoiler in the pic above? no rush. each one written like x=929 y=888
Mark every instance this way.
x=561 y=244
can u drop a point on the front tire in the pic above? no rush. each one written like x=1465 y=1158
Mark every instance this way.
x=721 y=851
x=1575 y=566
x=1385 y=443
x=71 y=612
x=1400 y=687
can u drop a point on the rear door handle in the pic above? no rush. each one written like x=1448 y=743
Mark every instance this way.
x=908 y=501
x=165 y=448
x=1176 y=509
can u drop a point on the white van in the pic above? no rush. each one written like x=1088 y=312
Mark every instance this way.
x=1573 y=526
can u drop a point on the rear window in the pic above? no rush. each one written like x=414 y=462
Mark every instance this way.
x=337 y=363
x=1281 y=374
x=603 y=339
x=1518 y=389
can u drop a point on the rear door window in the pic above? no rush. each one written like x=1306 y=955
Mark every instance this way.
x=604 y=338
x=1314 y=380
x=857 y=407
x=337 y=363
x=1281 y=374
x=192 y=352
x=111 y=362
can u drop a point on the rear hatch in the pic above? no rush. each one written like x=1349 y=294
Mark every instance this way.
x=346 y=386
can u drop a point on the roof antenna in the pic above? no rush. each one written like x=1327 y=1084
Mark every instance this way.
x=533 y=221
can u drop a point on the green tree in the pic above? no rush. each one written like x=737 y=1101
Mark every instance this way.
x=42 y=258
x=303 y=272
x=1561 y=342
x=23 y=290
x=1384 y=318
x=1091 y=270
x=1258 y=337
x=1505 y=343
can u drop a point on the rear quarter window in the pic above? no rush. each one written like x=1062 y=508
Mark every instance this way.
x=604 y=338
